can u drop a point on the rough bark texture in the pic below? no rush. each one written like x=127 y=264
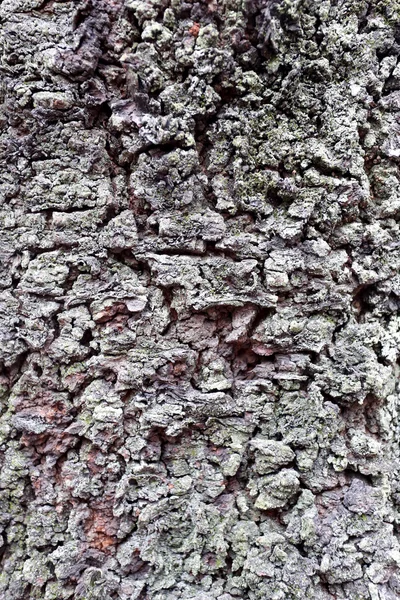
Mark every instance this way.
x=200 y=291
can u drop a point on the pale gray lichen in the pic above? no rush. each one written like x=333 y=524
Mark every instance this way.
x=199 y=213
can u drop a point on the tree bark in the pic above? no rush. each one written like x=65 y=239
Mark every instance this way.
x=199 y=309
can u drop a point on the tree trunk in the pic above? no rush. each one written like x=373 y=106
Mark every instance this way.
x=200 y=293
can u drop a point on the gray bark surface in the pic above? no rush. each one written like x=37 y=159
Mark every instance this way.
x=199 y=305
